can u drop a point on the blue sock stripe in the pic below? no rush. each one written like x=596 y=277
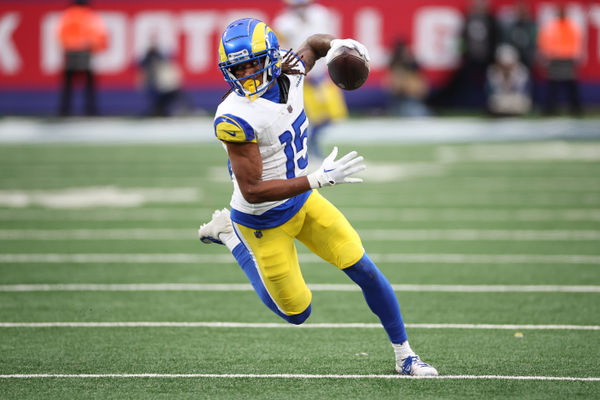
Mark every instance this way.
x=379 y=296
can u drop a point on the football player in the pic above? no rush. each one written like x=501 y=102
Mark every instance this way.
x=262 y=125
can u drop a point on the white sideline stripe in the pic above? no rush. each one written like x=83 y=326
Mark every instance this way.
x=355 y=213
x=147 y=324
x=316 y=287
x=445 y=131
x=305 y=376
x=366 y=234
x=176 y=258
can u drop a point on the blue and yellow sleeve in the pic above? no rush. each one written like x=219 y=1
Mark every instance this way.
x=231 y=128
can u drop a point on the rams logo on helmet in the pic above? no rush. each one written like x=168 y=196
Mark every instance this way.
x=247 y=40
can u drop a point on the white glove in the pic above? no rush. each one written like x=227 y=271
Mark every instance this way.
x=349 y=43
x=333 y=172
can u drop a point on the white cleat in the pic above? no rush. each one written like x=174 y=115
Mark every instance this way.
x=220 y=223
x=412 y=365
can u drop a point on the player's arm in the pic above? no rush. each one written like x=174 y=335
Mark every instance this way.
x=323 y=45
x=246 y=164
x=314 y=47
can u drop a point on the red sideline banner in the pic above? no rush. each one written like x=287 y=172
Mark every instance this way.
x=30 y=56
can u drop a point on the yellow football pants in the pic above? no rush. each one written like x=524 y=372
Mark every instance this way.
x=322 y=228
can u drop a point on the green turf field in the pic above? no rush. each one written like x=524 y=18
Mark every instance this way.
x=494 y=250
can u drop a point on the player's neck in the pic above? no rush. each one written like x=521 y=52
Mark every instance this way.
x=272 y=93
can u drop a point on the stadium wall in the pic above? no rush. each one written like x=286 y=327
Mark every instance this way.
x=31 y=60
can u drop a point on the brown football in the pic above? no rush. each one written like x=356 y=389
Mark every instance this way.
x=348 y=69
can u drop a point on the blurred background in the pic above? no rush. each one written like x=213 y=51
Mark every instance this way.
x=429 y=57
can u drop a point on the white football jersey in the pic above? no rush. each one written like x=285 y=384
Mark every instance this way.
x=280 y=130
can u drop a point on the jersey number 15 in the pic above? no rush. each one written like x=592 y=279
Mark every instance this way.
x=295 y=141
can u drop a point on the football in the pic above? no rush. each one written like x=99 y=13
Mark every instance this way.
x=348 y=69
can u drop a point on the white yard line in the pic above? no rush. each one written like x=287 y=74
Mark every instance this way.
x=226 y=258
x=366 y=234
x=529 y=184
x=354 y=213
x=476 y=234
x=98 y=234
x=98 y=196
x=467 y=214
x=316 y=287
x=170 y=258
x=507 y=152
x=471 y=199
x=267 y=325
x=110 y=214
x=300 y=376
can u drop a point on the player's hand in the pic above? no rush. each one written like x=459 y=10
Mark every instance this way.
x=349 y=43
x=333 y=172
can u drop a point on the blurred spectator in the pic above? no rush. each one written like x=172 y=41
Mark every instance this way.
x=323 y=100
x=560 y=43
x=405 y=83
x=479 y=40
x=161 y=78
x=479 y=34
x=521 y=33
x=81 y=32
x=508 y=84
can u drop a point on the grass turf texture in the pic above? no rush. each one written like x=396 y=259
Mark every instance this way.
x=533 y=308
x=465 y=185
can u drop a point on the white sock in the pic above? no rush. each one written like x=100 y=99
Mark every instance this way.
x=229 y=239
x=402 y=350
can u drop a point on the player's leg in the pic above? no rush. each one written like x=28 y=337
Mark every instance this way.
x=382 y=300
x=66 y=93
x=550 y=107
x=328 y=234
x=268 y=258
x=90 y=93
x=271 y=263
x=573 y=97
